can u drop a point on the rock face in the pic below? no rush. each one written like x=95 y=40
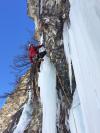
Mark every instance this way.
x=11 y=112
x=49 y=17
x=13 y=104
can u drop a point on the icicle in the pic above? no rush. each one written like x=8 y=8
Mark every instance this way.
x=47 y=83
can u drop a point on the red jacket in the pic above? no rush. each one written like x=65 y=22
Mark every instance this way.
x=33 y=51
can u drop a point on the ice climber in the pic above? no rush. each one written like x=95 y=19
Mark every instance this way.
x=35 y=54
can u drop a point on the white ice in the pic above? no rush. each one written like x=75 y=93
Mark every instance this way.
x=26 y=115
x=47 y=83
x=76 y=118
x=84 y=41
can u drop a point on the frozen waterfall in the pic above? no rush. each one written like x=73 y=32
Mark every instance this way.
x=83 y=38
x=47 y=83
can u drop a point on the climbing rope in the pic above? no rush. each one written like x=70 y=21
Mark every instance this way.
x=63 y=89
